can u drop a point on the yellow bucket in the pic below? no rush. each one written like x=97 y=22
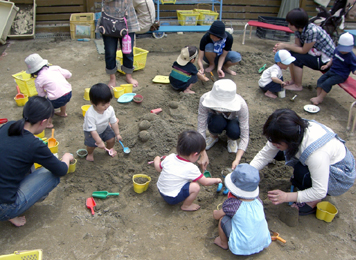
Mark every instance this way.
x=119 y=91
x=128 y=87
x=85 y=109
x=86 y=94
x=139 y=188
x=72 y=166
x=41 y=135
x=54 y=149
x=21 y=101
x=325 y=211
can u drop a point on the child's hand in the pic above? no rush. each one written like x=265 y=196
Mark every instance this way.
x=118 y=137
x=201 y=71
x=324 y=67
x=283 y=84
x=221 y=73
x=218 y=180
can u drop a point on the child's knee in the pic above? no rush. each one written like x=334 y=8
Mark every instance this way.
x=194 y=187
x=112 y=140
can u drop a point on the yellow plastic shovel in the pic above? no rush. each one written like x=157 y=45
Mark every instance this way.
x=52 y=141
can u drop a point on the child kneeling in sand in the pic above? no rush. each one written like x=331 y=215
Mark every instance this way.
x=179 y=179
x=184 y=73
x=97 y=119
x=242 y=224
x=271 y=80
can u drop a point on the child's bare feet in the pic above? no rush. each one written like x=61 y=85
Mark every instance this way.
x=316 y=100
x=49 y=126
x=270 y=94
x=90 y=157
x=61 y=114
x=18 y=221
x=189 y=91
x=218 y=242
x=192 y=207
x=229 y=71
x=210 y=68
x=294 y=87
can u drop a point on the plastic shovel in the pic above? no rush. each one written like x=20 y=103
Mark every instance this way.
x=19 y=95
x=103 y=194
x=91 y=204
x=3 y=120
x=52 y=141
x=126 y=149
x=212 y=76
x=275 y=236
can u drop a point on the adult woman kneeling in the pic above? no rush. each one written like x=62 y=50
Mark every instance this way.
x=321 y=161
x=222 y=109
x=19 y=150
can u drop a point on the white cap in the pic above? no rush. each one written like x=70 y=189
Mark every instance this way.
x=186 y=55
x=346 y=42
x=284 y=57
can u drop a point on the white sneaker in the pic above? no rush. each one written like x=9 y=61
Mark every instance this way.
x=210 y=141
x=231 y=146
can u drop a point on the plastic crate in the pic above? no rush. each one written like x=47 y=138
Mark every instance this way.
x=272 y=34
x=20 y=255
x=7 y=15
x=206 y=17
x=139 y=62
x=23 y=28
x=25 y=83
x=168 y=1
x=82 y=26
x=187 y=17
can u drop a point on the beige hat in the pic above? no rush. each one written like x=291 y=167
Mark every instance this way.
x=187 y=54
x=223 y=97
x=34 y=63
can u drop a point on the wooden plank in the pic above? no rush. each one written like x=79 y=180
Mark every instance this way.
x=52 y=17
x=58 y=3
x=60 y=9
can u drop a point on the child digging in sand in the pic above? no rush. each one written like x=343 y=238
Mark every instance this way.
x=242 y=224
x=97 y=121
x=341 y=64
x=184 y=73
x=179 y=179
x=51 y=81
x=271 y=80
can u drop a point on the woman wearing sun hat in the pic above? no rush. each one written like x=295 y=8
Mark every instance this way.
x=215 y=49
x=222 y=109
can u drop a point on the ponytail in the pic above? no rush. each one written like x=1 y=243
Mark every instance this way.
x=35 y=110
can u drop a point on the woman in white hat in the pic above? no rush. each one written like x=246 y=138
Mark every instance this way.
x=222 y=109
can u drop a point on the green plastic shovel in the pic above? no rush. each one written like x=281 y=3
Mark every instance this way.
x=103 y=194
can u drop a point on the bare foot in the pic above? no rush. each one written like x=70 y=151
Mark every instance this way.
x=189 y=91
x=18 y=221
x=49 y=126
x=90 y=157
x=132 y=81
x=112 y=83
x=192 y=207
x=112 y=152
x=289 y=82
x=218 y=242
x=60 y=114
x=294 y=87
x=210 y=68
x=316 y=100
x=270 y=94
x=228 y=71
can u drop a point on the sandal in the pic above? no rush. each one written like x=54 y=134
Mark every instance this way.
x=305 y=209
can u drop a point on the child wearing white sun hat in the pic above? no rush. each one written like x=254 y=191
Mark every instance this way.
x=341 y=64
x=242 y=224
x=271 y=80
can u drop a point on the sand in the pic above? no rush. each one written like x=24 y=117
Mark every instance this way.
x=143 y=226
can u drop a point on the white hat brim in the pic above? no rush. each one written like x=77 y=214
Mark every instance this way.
x=289 y=60
x=237 y=192
x=40 y=65
x=212 y=103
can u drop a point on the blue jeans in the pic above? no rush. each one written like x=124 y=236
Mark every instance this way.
x=329 y=79
x=34 y=187
x=232 y=56
x=217 y=123
x=110 y=44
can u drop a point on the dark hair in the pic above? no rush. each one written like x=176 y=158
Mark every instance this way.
x=284 y=125
x=189 y=142
x=35 y=110
x=298 y=18
x=35 y=74
x=192 y=50
x=100 y=93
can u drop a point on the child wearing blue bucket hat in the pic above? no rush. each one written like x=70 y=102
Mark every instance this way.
x=242 y=224
x=341 y=64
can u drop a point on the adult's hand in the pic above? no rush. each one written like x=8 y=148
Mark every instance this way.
x=278 y=46
x=221 y=73
x=277 y=196
x=203 y=160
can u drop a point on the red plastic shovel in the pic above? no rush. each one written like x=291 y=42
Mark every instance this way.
x=3 y=120
x=19 y=95
x=91 y=204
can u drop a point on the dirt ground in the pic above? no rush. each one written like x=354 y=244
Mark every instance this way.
x=143 y=226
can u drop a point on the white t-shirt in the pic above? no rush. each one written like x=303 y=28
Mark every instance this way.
x=268 y=74
x=93 y=121
x=176 y=172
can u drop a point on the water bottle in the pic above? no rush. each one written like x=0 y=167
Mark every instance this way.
x=126 y=44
